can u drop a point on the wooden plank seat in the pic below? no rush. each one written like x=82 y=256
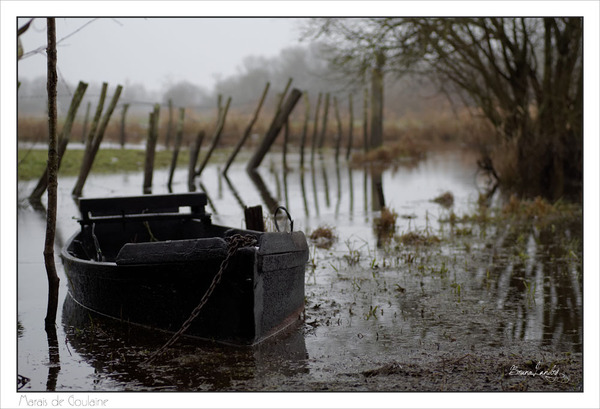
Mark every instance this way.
x=145 y=207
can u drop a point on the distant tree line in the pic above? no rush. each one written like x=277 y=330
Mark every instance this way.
x=307 y=65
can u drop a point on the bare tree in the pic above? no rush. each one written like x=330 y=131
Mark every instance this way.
x=524 y=75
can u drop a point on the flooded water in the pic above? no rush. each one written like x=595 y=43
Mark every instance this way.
x=512 y=295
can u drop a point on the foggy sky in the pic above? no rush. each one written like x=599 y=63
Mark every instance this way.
x=154 y=52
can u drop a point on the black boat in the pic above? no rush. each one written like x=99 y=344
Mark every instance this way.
x=149 y=260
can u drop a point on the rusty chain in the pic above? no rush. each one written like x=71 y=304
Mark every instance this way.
x=235 y=243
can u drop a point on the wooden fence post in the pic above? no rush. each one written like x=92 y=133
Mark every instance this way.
x=338 y=140
x=63 y=141
x=169 y=124
x=194 y=152
x=286 y=137
x=219 y=105
x=86 y=165
x=151 y=149
x=282 y=95
x=377 y=101
x=366 y=119
x=254 y=218
x=246 y=131
x=350 y=127
x=85 y=122
x=324 y=126
x=274 y=130
x=178 y=138
x=216 y=136
x=95 y=121
x=123 y=116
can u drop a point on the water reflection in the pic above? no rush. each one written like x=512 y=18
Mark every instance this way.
x=535 y=277
x=339 y=189
x=260 y=185
x=208 y=197
x=325 y=182
x=314 y=186
x=373 y=191
x=234 y=191
x=116 y=350
x=303 y=189
x=351 y=192
x=378 y=201
x=53 y=360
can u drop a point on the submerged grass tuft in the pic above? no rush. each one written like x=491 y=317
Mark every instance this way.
x=417 y=239
x=446 y=199
x=323 y=237
x=406 y=149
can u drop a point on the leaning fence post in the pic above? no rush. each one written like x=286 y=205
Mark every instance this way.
x=86 y=165
x=219 y=105
x=178 y=138
x=274 y=130
x=62 y=143
x=90 y=138
x=150 y=149
x=247 y=131
x=216 y=136
x=286 y=137
x=194 y=152
x=283 y=94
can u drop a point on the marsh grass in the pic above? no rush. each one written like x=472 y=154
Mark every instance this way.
x=408 y=133
x=353 y=256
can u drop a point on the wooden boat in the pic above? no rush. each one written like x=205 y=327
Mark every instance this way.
x=148 y=260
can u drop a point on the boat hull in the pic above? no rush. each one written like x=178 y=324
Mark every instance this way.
x=260 y=293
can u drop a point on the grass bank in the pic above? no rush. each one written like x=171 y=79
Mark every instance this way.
x=31 y=163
